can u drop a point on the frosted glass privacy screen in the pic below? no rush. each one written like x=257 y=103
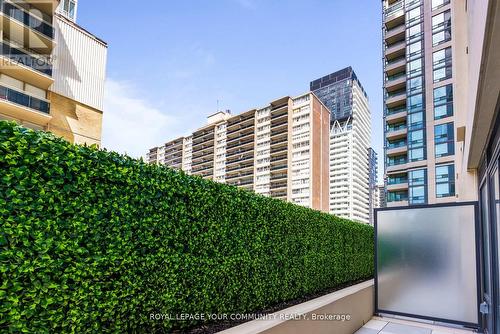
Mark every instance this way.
x=426 y=262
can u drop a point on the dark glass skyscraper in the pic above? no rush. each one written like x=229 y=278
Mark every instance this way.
x=350 y=137
x=336 y=92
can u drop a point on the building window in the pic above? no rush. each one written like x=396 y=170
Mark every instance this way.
x=414 y=15
x=417 y=154
x=416 y=138
x=415 y=103
x=441 y=62
x=415 y=120
x=416 y=143
x=444 y=139
x=397 y=196
x=414 y=33
x=415 y=67
x=439 y=3
x=445 y=181
x=441 y=28
x=69 y=8
x=417 y=183
x=414 y=85
x=443 y=101
x=414 y=50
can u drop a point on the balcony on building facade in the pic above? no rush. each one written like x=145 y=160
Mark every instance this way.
x=395 y=50
x=175 y=150
x=279 y=115
x=202 y=151
x=394 y=14
x=242 y=141
x=202 y=168
x=18 y=104
x=173 y=160
x=239 y=175
x=395 y=115
x=239 y=150
x=176 y=143
x=27 y=66
x=279 y=143
x=395 y=82
x=397 y=198
x=395 y=34
x=394 y=151
x=397 y=160
x=21 y=23
x=239 y=167
x=396 y=131
x=240 y=159
x=243 y=181
x=279 y=123
x=242 y=128
x=279 y=175
x=47 y=7
x=279 y=158
x=202 y=137
x=240 y=122
x=395 y=65
x=397 y=182
x=395 y=98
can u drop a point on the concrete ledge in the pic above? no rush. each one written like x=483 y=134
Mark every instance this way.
x=356 y=301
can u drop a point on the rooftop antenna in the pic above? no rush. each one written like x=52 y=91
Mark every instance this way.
x=218 y=105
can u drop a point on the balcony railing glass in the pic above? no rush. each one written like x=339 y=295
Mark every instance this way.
x=26 y=18
x=396 y=76
x=395 y=60
x=397 y=196
x=396 y=144
x=395 y=93
x=41 y=64
x=397 y=180
x=396 y=127
x=24 y=100
x=394 y=8
x=392 y=111
x=395 y=161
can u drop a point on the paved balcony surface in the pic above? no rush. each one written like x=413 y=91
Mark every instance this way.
x=379 y=325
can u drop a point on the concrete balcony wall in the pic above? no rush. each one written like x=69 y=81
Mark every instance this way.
x=356 y=301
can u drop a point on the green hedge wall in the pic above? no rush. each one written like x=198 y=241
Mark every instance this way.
x=93 y=241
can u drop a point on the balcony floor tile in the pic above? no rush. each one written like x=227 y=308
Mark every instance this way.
x=389 y=325
x=392 y=328
x=365 y=330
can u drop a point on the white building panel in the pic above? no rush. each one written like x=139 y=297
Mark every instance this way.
x=79 y=64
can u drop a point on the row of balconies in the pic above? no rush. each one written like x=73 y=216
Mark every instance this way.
x=240 y=142
x=25 y=61
x=21 y=99
x=29 y=21
x=240 y=160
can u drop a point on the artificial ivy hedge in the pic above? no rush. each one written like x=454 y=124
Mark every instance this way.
x=93 y=241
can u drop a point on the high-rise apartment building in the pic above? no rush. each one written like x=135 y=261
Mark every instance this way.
x=350 y=140
x=382 y=197
x=442 y=115
x=425 y=70
x=280 y=150
x=372 y=182
x=52 y=71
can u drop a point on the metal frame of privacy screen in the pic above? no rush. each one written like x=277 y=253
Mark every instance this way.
x=427 y=262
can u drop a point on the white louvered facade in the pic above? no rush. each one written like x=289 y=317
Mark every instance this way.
x=79 y=64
